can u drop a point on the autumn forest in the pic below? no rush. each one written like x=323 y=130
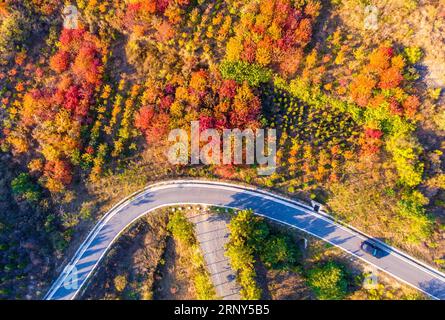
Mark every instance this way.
x=85 y=115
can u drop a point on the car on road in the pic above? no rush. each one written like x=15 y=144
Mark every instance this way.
x=373 y=249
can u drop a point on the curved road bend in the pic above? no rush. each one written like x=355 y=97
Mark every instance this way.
x=108 y=229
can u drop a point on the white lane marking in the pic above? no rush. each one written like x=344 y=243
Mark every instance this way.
x=353 y=254
x=321 y=217
x=205 y=184
x=258 y=191
x=389 y=250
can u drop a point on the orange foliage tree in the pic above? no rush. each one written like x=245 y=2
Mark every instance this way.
x=273 y=33
x=381 y=83
x=50 y=118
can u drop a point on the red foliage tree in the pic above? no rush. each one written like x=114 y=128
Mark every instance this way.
x=72 y=98
x=143 y=118
x=148 y=6
x=304 y=32
x=371 y=142
x=206 y=122
x=380 y=59
x=274 y=34
x=395 y=107
x=60 y=171
x=36 y=107
x=165 y=31
x=87 y=65
x=390 y=78
x=159 y=128
x=161 y=5
x=361 y=89
x=228 y=89
x=165 y=102
x=245 y=110
x=225 y=171
x=198 y=82
x=71 y=39
x=373 y=133
x=249 y=51
x=183 y=2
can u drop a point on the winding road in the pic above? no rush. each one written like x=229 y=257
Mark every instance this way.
x=191 y=192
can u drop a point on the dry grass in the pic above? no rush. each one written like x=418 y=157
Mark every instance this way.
x=136 y=257
x=174 y=278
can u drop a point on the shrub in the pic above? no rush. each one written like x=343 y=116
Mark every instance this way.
x=181 y=228
x=440 y=120
x=204 y=287
x=120 y=282
x=241 y=256
x=413 y=54
x=279 y=252
x=24 y=187
x=243 y=71
x=405 y=150
x=247 y=233
x=250 y=289
x=328 y=281
x=247 y=228
x=183 y=231
x=418 y=222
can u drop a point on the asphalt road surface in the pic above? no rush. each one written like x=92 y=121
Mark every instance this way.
x=85 y=260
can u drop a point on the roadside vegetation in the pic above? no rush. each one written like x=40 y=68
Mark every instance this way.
x=272 y=262
x=130 y=270
x=183 y=232
x=157 y=258
x=328 y=281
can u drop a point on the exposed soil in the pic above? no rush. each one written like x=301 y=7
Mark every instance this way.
x=136 y=257
x=173 y=276
x=287 y=285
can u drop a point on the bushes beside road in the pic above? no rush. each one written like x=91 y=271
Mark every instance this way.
x=250 y=237
x=183 y=232
x=328 y=281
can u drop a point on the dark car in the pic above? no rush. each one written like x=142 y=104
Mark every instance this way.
x=373 y=249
